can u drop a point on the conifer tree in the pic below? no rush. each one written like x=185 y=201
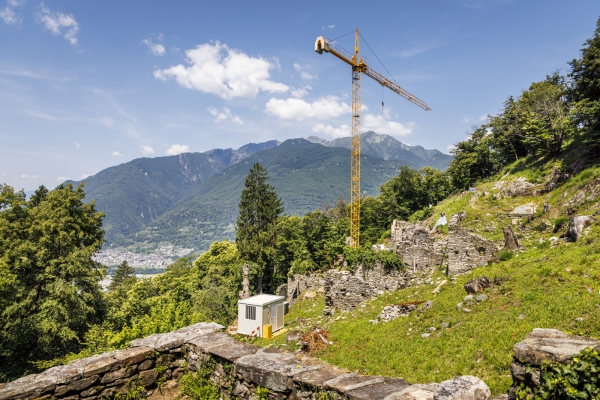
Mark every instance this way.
x=259 y=208
x=123 y=273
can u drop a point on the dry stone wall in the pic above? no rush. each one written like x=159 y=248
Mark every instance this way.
x=237 y=369
x=298 y=284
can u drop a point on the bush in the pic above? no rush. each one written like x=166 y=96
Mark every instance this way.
x=579 y=379
x=505 y=255
x=559 y=223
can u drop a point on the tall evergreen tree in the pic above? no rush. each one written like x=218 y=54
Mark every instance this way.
x=123 y=273
x=259 y=208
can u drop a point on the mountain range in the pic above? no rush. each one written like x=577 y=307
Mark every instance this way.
x=190 y=200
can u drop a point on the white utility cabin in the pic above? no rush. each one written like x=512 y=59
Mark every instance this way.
x=257 y=311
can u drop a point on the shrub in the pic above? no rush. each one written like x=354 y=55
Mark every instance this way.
x=505 y=255
x=559 y=223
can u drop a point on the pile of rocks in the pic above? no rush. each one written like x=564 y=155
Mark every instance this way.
x=392 y=312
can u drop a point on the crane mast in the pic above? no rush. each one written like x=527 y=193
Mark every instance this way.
x=359 y=66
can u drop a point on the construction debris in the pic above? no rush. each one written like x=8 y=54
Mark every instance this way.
x=314 y=340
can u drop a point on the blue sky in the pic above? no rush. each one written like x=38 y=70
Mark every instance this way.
x=85 y=85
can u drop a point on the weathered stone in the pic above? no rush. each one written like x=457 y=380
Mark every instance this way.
x=478 y=284
x=298 y=284
x=551 y=345
x=481 y=298
x=239 y=390
x=209 y=340
x=589 y=192
x=232 y=351
x=73 y=397
x=415 y=246
x=178 y=373
x=463 y=388
x=468 y=250
x=77 y=386
x=118 y=374
x=530 y=376
x=145 y=365
x=91 y=391
x=511 y=242
x=132 y=355
x=525 y=210
x=425 y=307
x=167 y=341
x=500 y=397
x=272 y=369
x=415 y=392
x=109 y=393
x=97 y=364
x=130 y=380
x=317 y=377
x=147 y=378
x=520 y=187
x=26 y=386
x=293 y=336
x=351 y=381
x=378 y=391
x=245 y=293
x=578 y=224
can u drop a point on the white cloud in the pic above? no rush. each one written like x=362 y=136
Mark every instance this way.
x=483 y=118
x=55 y=22
x=227 y=73
x=29 y=176
x=146 y=150
x=382 y=125
x=178 y=149
x=15 y=3
x=84 y=176
x=466 y=119
x=116 y=154
x=329 y=130
x=155 y=48
x=300 y=92
x=328 y=27
x=10 y=17
x=77 y=145
x=298 y=110
x=224 y=114
x=303 y=73
x=61 y=178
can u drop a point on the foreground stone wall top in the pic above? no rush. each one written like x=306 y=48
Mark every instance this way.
x=237 y=370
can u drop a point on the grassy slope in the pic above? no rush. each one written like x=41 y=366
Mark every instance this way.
x=547 y=288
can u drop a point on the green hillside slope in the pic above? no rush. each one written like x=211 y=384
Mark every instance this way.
x=136 y=193
x=388 y=148
x=305 y=175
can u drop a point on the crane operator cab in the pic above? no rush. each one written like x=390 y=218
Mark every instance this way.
x=322 y=44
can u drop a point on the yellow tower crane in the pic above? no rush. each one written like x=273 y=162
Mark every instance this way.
x=359 y=67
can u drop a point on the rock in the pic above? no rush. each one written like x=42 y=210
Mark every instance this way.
x=467 y=310
x=445 y=324
x=390 y=313
x=578 y=224
x=546 y=207
x=525 y=210
x=500 y=397
x=551 y=345
x=481 y=298
x=415 y=392
x=596 y=213
x=146 y=365
x=426 y=306
x=459 y=305
x=521 y=316
x=519 y=188
x=511 y=242
x=468 y=299
x=147 y=378
x=425 y=335
x=439 y=287
x=463 y=388
x=478 y=284
x=132 y=355
x=293 y=336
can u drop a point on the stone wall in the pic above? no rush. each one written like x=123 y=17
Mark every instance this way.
x=236 y=369
x=298 y=284
x=467 y=250
x=461 y=250
x=344 y=290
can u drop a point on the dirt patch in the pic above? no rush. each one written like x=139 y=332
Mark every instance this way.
x=314 y=340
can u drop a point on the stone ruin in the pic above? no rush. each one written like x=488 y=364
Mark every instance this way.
x=461 y=250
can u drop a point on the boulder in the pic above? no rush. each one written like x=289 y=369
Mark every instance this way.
x=520 y=187
x=463 y=388
x=578 y=224
x=415 y=392
x=525 y=210
x=551 y=345
x=511 y=242
x=478 y=284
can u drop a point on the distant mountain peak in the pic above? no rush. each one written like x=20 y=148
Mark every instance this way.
x=390 y=148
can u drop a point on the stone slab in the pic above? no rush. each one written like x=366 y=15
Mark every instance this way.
x=551 y=345
x=209 y=340
x=415 y=392
x=167 y=341
x=132 y=355
x=97 y=364
x=525 y=210
x=272 y=369
x=27 y=386
x=233 y=351
x=378 y=391
x=351 y=381
x=318 y=377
